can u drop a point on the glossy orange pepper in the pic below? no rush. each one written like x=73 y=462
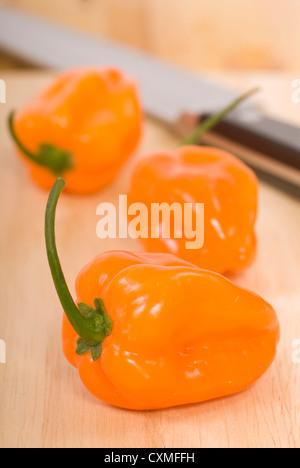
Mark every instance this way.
x=226 y=186
x=83 y=127
x=151 y=331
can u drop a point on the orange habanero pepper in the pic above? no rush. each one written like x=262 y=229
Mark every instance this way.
x=226 y=186
x=199 y=174
x=83 y=127
x=151 y=331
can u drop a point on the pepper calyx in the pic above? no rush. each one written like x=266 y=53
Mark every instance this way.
x=100 y=323
x=49 y=156
x=83 y=348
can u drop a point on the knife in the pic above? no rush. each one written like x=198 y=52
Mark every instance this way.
x=175 y=97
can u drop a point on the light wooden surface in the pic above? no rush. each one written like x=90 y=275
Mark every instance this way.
x=198 y=34
x=42 y=401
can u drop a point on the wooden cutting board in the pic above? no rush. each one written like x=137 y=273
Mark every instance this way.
x=42 y=401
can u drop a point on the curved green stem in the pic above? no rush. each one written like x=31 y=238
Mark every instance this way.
x=48 y=156
x=92 y=325
x=212 y=121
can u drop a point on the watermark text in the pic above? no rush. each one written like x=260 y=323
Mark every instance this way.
x=296 y=352
x=296 y=92
x=2 y=92
x=2 y=352
x=159 y=221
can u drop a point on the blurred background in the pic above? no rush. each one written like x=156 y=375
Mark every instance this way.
x=197 y=34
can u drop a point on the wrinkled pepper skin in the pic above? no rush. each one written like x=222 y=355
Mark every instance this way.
x=95 y=114
x=226 y=186
x=180 y=335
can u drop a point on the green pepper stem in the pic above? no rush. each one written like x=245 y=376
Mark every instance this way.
x=212 y=121
x=48 y=156
x=92 y=325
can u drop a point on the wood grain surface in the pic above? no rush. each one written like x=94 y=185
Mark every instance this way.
x=42 y=401
x=231 y=34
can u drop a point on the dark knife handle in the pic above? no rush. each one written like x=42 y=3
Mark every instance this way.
x=270 y=146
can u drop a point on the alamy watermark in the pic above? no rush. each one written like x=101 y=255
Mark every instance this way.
x=296 y=92
x=2 y=352
x=296 y=352
x=160 y=221
x=2 y=92
x=2 y=101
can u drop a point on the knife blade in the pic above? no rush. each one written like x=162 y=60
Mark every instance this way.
x=168 y=93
